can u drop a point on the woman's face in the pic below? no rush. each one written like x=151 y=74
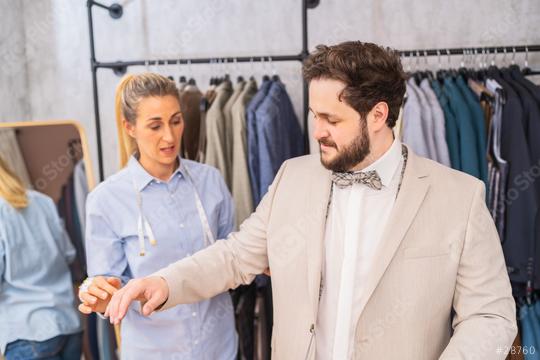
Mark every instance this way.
x=158 y=129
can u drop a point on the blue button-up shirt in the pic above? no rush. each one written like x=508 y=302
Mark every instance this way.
x=203 y=330
x=36 y=291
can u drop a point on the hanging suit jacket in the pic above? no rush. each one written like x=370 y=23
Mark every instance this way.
x=206 y=103
x=521 y=204
x=440 y=253
x=216 y=146
x=518 y=76
x=531 y=113
x=437 y=117
x=190 y=100
x=468 y=148
x=414 y=132
x=252 y=140
x=529 y=95
x=498 y=166
x=427 y=120
x=451 y=127
x=479 y=125
x=228 y=127
x=279 y=134
x=241 y=188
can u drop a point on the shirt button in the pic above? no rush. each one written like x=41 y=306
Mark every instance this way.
x=194 y=314
x=182 y=226
x=196 y=342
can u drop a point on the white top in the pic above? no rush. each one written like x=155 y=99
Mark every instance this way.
x=356 y=220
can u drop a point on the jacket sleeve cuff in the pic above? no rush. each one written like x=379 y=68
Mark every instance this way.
x=168 y=276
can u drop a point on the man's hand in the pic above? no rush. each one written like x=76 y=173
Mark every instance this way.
x=98 y=295
x=152 y=292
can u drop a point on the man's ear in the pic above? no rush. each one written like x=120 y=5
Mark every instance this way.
x=379 y=115
x=130 y=128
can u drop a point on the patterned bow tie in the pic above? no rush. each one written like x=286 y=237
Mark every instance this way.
x=345 y=179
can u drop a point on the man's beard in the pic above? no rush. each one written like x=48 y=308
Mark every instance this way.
x=349 y=156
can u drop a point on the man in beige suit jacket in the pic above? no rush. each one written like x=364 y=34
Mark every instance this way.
x=419 y=261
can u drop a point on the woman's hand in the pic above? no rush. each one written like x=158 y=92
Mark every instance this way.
x=99 y=294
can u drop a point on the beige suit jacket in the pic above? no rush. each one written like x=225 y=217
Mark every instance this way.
x=216 y=146
x=228 y=127
x=439 y=252
x=240 y=184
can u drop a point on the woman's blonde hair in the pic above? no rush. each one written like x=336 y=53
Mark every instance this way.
x=131 y=90
x=11 y=187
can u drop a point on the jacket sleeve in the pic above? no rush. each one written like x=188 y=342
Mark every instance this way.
x=485 y=314
x=225 y=264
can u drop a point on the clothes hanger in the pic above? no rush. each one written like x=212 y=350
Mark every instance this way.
x=265 y=76
x=452 y=72
x=225 y=69
x=471 y=64
x=513 y=66
x=526 y=69
x=407 y=60
x=240 y=78
x=439 y=73
x=212 y=79
x=428 y=74
x=482 y=73
x=474 y=73
x=191 y=80
x=462 y=70
x=275 y=76
x=219 y=79
x=442 y=74
x=492 y=69
x=418 y=75
x=252 y=77
x=181 y=78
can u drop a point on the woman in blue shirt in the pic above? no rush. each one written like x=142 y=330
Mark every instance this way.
x=38 y=319
x=158 y=209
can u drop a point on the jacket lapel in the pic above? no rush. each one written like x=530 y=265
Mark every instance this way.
x=319 y=195
x=413 y=191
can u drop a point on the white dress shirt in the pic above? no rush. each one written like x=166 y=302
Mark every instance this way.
x=356 y=219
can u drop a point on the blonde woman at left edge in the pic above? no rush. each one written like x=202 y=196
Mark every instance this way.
x=158 y=209
x=38 y=318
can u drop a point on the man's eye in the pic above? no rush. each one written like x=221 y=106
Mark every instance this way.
x=155 y=127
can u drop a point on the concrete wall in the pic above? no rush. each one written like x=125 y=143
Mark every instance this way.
x=56 y=48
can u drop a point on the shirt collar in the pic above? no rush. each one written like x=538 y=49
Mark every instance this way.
x=387 y=164
x=142 y=178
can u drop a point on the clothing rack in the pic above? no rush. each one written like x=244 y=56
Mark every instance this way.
x=490 y=50
x=120 y=67
x=477 y=52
